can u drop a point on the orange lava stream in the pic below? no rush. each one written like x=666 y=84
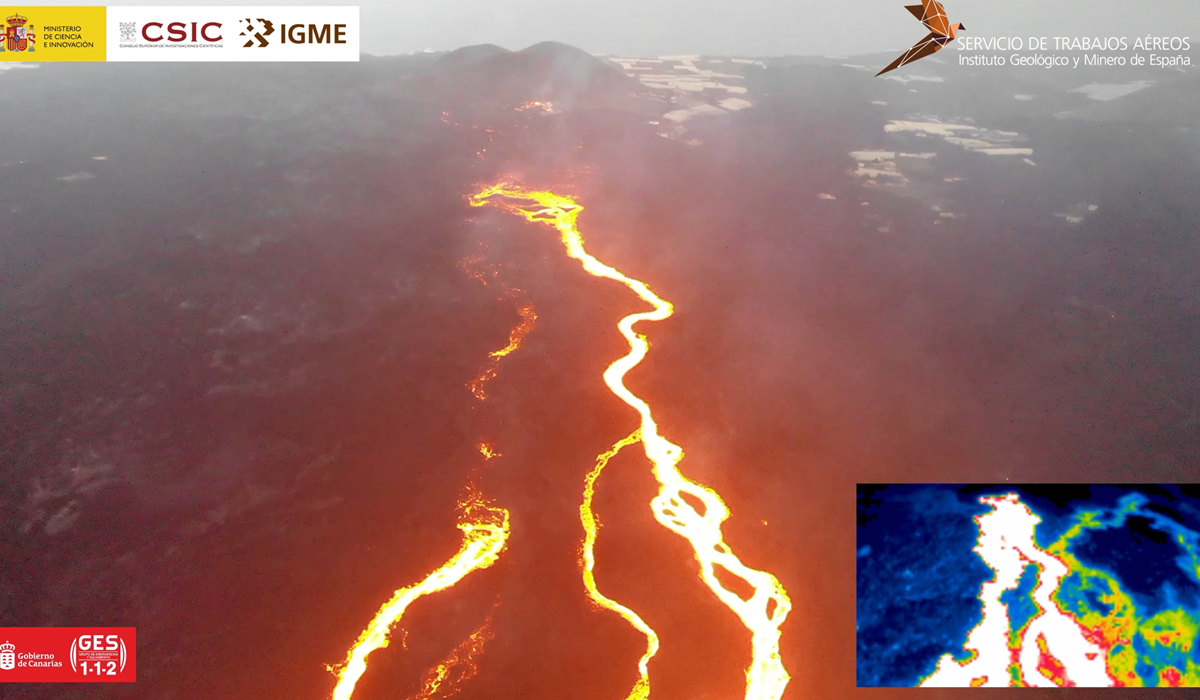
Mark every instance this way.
x=518 y=333
x=487 y=274
x=485 y=531
x=765 y=610
x=442 y=680
x=587 y=562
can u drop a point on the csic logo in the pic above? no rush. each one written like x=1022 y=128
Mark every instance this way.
x=129 y=32
x=253 y=29
x=176 y=32
x=17 y=36
x=8 y=659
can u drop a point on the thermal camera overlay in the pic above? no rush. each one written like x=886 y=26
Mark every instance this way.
x=1028 y=586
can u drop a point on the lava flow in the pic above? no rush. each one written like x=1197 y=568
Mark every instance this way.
x=443 y=680
x=765 y=610
x=485 y=531
x=487 y=274
x=587 y=556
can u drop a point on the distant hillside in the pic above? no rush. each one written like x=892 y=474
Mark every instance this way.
x=549 y=71
x=467 y=56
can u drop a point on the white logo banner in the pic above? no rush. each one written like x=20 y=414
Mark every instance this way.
x=268 y=33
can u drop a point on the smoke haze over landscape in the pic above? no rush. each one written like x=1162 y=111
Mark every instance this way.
x=748 y=28
x=236 y=333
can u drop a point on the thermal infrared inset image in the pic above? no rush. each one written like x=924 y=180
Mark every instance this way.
x=1032 y=586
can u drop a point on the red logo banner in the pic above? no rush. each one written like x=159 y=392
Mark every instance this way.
x=68 y=654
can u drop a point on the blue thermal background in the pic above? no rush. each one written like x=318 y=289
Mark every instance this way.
x=918 y=578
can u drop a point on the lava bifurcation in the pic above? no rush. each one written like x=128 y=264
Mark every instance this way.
x=766 y=609
x=691 y=510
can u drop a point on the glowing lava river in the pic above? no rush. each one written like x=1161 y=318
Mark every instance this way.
x=687 y=508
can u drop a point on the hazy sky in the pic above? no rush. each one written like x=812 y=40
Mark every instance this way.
x=738 y=27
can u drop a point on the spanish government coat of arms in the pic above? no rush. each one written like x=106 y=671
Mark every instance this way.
x=17 y=36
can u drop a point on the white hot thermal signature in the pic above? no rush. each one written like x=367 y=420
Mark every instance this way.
x=1006 y=544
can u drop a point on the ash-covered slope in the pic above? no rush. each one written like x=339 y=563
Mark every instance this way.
x=567 y=77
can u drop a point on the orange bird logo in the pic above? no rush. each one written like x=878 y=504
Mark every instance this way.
x=933 y=16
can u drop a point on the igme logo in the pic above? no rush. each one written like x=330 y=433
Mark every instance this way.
x=258 y=29
x=298 y=33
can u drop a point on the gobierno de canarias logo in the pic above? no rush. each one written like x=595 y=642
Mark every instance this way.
x=8 y=657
